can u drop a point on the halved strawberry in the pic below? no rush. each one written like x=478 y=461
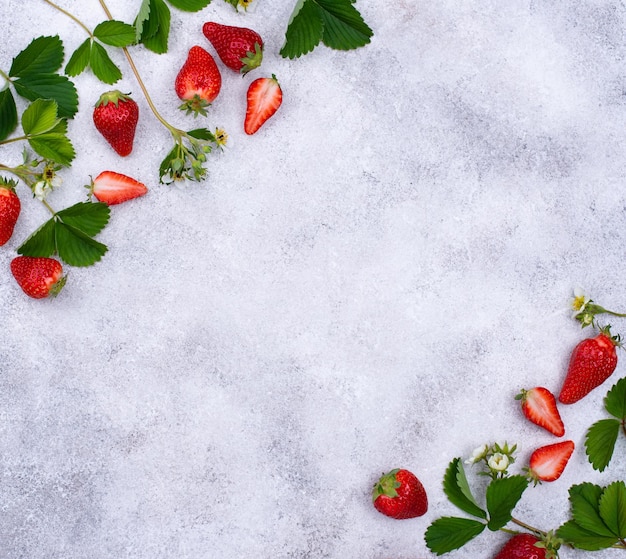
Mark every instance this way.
x=539 y=407
x=114 y=188
x=548 y=462
x=264 y=97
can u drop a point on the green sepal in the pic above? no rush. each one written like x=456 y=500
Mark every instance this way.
x=49 y=86
x=449 y=533
x=202 y=134
x=190 y=5
x=115 y=33
x=79 y=60
x=102 y=66
x=502 y=496
x=8 y=113
x=600 y=442
x=233 y=3
x=44 y=55
x=457 y=489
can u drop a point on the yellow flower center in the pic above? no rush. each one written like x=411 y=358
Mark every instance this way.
x=579 y=302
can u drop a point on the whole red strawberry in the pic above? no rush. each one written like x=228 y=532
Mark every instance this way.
x=115 y=117
x=522 y=546
x=9 y=209
x=399 y=494
x=37 y=276
x=591 y=363
x=198 y=82
x=239 y=48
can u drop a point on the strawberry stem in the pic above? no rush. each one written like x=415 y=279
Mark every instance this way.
x=71 y=16
x=528 y=527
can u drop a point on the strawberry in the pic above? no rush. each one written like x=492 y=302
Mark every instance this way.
x=239 y=48
x=264 y=98
x=539 y=407
x=114 y=188
x=198 y=82
x=399 y=494
x=591 y=363
x=38 y=277
x=548 y=462
x=522 y=546
x=115 y=117
x=10 y=207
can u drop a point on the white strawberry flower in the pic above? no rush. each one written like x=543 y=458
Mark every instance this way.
x=478 y=454
x=498 y=462
x=579 y=301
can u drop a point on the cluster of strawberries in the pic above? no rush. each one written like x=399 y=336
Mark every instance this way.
x=399 y=494
x=116 y=116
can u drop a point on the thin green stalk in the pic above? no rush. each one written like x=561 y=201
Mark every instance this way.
x=71 y=16
x=16 y=139
x=528 y=527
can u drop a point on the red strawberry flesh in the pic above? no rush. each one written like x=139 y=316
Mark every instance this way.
x=548 y=462
x=264 y=98
x=114 y=188
x=540 y=407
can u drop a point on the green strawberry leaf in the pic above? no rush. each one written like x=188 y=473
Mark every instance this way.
x=584 y=500
x=41 y=242
x=79 y=60
x=8 y=113
x=202 y=134
x=578 y=537
x=75 y=247
x=156 y=28
x=190 y=5
x=337 y=23
x=600 y=442
x=89 y=217
x=54 y=146
x=115 y=33
x=39 y=117
x=69 y=234
x=304 y=31
x=457 y=489
x=612 y=508
x=141 y=19
x=615 y=400
x=44 y=55
x=449 y=533
x=502 y=496
x=49 y=86
x=344 y=28
x=233 y=3
x=102 y=66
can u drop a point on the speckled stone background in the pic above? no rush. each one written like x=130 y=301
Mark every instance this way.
x=364 y=284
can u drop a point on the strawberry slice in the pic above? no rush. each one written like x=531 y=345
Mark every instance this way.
x=114 y=188
x=548 y=462
x=539 y=407
x=264 y=98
